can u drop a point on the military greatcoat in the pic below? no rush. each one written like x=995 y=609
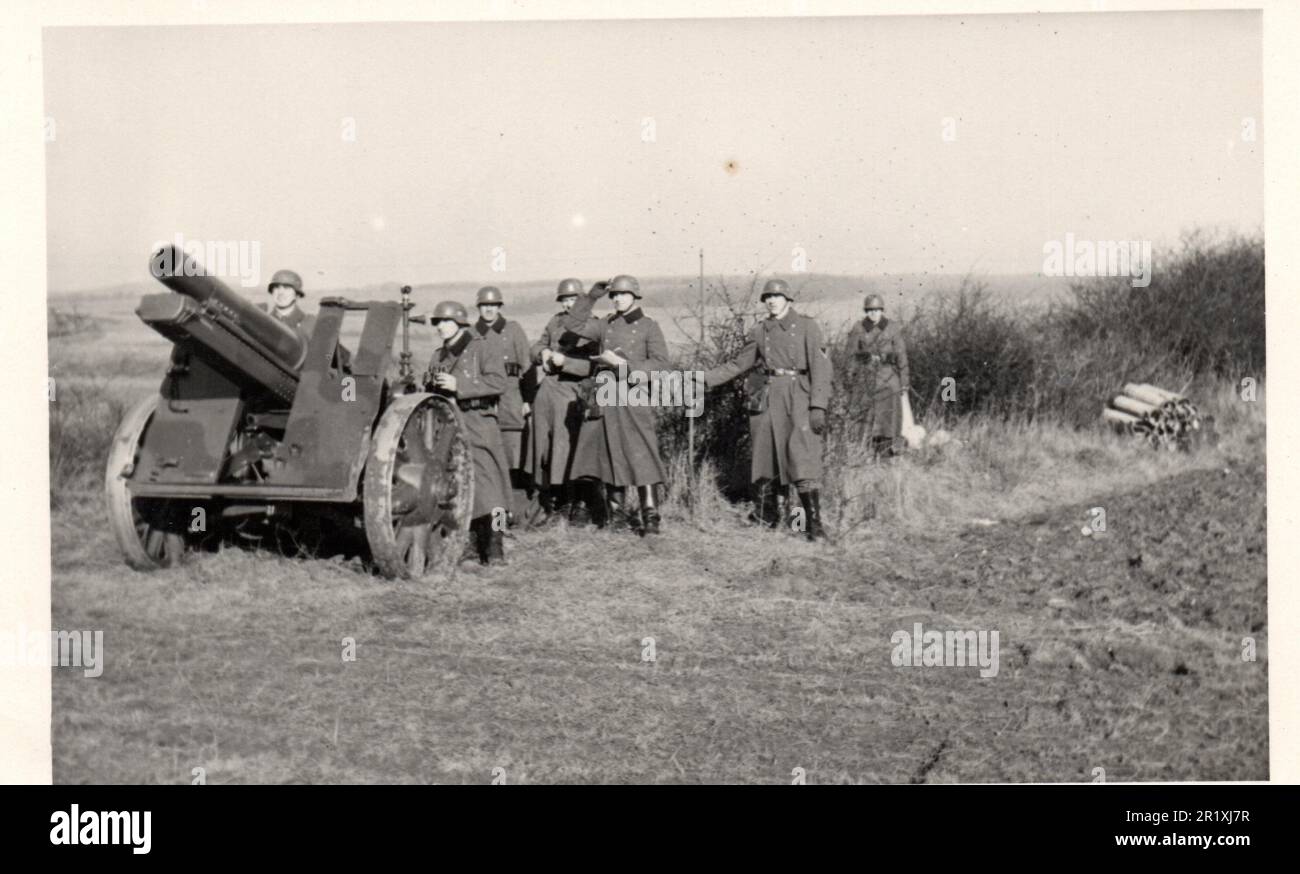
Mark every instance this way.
x=622 y=448
x=557 y=415
x=791 y=351
x=480 y=381
x=512 y=345
x=881 y=356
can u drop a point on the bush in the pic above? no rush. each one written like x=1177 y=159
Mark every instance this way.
x=1201 y=319
x=722 y=432
x=986 y=351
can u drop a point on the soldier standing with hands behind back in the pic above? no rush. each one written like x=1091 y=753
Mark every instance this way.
x=787 y=413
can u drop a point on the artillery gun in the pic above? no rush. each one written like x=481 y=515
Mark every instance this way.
x=258 y=427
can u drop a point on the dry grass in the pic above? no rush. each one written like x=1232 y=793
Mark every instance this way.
x=771 y=653
x=1119 y=651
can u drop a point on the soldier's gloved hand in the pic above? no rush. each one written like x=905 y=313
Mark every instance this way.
x=817 y=420
x=527 y=409
x=598 y=289
x=445 y=381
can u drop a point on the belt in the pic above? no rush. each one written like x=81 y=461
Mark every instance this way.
x=783 y=371
x=488 y=403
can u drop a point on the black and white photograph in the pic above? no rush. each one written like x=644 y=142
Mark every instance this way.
x=805 y=399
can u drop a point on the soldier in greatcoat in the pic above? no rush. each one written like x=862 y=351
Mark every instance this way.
x=468 y=369
x=876 y=346
x=785 y=433
x=622 y=448
x=562 y=361
x=514 y=408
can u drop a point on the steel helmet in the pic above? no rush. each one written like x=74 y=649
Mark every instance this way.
x=286 y=277
x=449 y=309
x=568 y=288
x=776 y=286
x=622 y=283
x=489 y=294
x=873 y=302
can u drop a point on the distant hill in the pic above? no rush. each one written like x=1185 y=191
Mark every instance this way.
x=834 y=299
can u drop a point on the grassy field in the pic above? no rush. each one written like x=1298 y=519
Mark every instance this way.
x=1120 y=650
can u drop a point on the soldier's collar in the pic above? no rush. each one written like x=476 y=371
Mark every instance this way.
x=630 y=316
x=458 y=344
x=880 y=326
x=786 y=321
x=482 y=325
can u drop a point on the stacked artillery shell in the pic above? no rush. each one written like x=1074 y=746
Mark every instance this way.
x=1164 y=419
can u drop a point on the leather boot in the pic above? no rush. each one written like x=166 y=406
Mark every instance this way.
x=812 y=507
x=649 y=510
x=588 y=503
x=583 y=508
x=473 y=553
x=787 y=504
x=616 y=508
x=496 y=548
x=550 y=504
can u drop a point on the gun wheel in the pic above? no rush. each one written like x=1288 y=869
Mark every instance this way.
x=151 y=532
x=418 y=488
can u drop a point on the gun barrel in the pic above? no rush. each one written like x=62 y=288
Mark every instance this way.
x=183 y=275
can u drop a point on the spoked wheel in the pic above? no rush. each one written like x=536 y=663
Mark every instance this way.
x=151 y=532
x=419 y=488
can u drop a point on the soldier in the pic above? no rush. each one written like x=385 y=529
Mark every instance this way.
x=285 y=289
x=785 y=434
x=622 y=449
x=876 y=345
x=468 y=369
x=557 y=409
x=513 y=410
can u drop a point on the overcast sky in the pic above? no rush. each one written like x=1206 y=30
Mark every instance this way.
x=591 y=148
